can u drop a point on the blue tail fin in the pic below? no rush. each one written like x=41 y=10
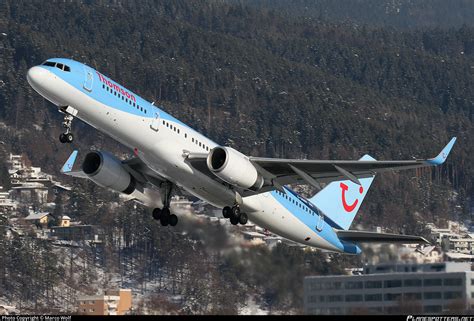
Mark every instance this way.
x=340 y=200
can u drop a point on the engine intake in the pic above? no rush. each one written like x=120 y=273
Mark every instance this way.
x=234 y=167
x=106 y=170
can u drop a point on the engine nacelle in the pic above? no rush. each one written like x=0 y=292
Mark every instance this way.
x=234 y=167
x=106 y=170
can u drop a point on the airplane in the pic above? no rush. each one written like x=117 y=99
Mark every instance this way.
x=170 y=156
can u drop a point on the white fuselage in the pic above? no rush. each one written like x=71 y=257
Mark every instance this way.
x=159 y=141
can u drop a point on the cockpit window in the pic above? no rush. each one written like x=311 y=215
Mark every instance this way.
x=57 y=65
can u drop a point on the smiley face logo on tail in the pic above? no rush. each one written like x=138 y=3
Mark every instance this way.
x=349 y=207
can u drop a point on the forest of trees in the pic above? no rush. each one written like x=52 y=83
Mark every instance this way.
x=400 y=14
x=266 y=84
x=335 y=84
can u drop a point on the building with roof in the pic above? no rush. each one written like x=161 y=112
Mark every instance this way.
x=112 y=302
x=30 y=193
x=393 y=289
x=65 y=221
x=6 y=203
x=40 y=219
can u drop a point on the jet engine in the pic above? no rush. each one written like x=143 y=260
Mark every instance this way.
x=106 y=170
x=234 y=167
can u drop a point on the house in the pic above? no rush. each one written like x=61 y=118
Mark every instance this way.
x=112 y=302
x=5 y=201
x=65 y=221
x=39 y=219
x=30 y=192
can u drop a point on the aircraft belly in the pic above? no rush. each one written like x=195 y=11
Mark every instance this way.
x=276 y=218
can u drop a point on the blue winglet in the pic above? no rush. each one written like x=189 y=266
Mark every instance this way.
x=438 y=160
x=68 y=165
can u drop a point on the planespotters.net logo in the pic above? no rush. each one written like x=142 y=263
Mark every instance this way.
x=438 y=318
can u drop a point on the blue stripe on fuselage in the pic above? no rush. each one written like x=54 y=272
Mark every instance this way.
x=291 y=202
x=76 y=78
x=313 y=208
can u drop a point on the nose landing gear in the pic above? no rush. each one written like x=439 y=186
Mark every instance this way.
x=67 y=137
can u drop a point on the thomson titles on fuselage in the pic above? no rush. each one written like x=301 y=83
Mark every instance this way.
x=115 y=87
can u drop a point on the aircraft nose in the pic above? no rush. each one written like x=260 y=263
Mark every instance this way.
x=36 y=76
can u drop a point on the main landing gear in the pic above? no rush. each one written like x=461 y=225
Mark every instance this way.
x=235 y=215
x=67 y=137
x=164 y=215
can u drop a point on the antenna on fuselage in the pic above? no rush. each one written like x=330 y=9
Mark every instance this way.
x=153 y=103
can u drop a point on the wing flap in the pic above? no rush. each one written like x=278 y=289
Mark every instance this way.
x=374 y=237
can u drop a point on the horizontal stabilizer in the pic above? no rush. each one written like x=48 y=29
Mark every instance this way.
x=374 y=237
x=441 y=158
x=68 y=167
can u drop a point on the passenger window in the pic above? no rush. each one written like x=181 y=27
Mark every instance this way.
x=126 y=100
x=133 y=104
x=192 y=139
x=185 y=135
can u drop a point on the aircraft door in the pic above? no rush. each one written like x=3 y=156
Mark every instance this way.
x=89 y=79
x=319 y=225
x=155 y=122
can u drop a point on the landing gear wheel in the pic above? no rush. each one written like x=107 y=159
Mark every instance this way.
x=69 y=137
x=243 y=218
x=173 y=220
x=62 y=138
x=165 y=216
x=236 y=211
x=156 y=213
x=234 y=220
x=227 y=212
x=164 y=220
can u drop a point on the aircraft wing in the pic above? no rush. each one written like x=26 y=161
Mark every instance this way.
x=293 y=171
x=278 y=171
x=373 y=237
